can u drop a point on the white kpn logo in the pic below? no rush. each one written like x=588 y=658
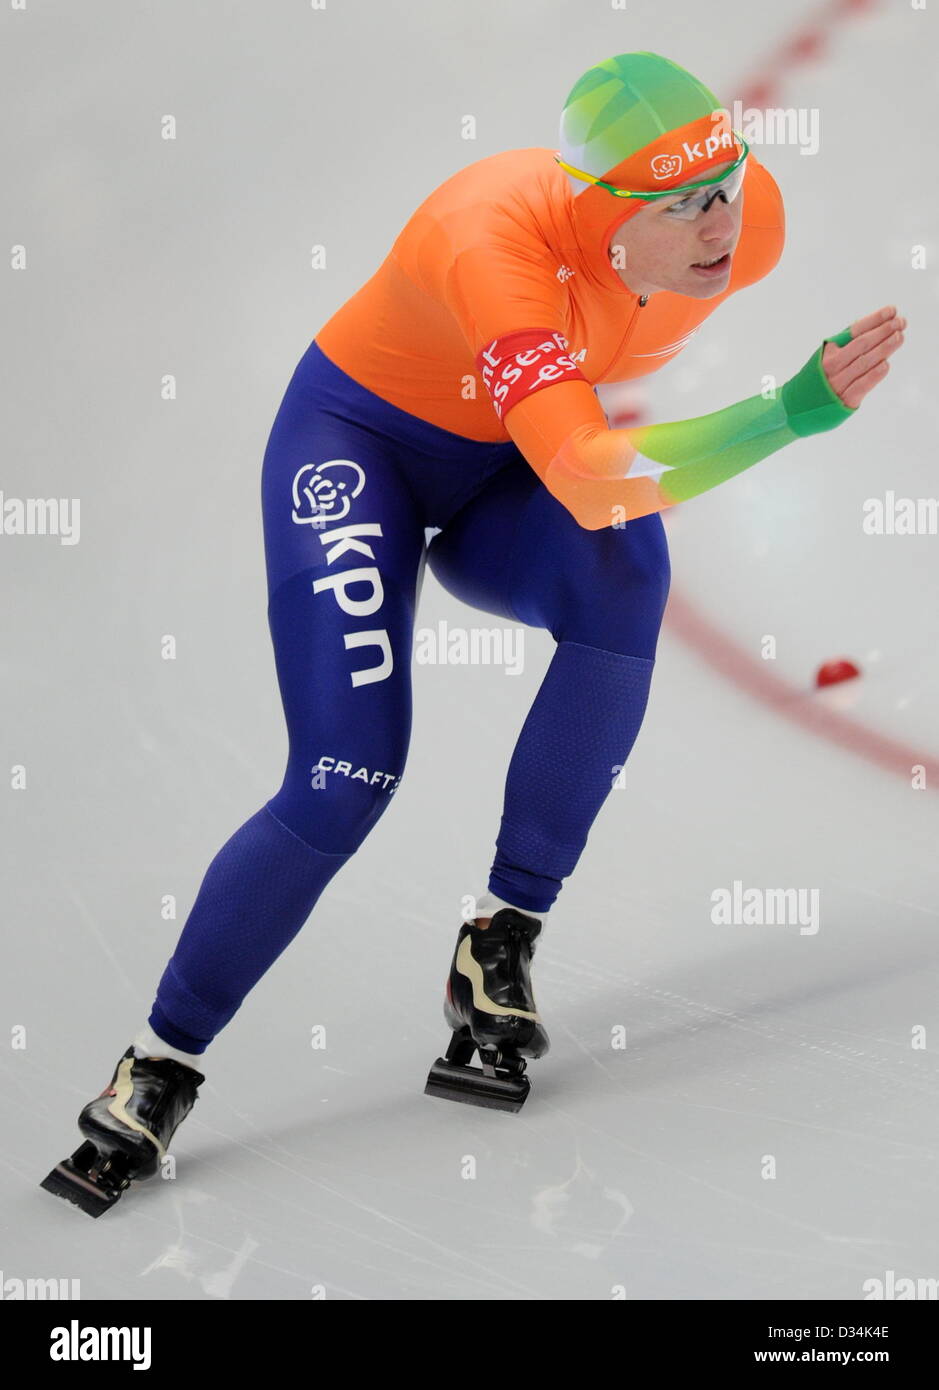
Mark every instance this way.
x=320 y=493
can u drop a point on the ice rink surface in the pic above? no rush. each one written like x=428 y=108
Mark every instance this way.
x=638 y=1170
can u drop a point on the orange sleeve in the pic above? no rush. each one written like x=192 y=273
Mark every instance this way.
x=565 y=438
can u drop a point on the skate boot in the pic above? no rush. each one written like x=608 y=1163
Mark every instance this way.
x=127 y=1130
x=490 y=1007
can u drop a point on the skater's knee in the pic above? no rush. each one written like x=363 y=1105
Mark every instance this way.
x=330 y=810
x=618 y=601
x=637 y=562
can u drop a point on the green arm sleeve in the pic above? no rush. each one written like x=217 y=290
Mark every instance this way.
x=695 y=455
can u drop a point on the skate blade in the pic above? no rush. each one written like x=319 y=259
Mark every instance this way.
x=71 y=1179
x=473 y=1086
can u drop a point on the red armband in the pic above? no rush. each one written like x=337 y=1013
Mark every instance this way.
x=518 y=364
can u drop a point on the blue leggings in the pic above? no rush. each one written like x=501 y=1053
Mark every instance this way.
x=350 y=487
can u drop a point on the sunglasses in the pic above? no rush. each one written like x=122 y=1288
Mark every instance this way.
x=693 y=198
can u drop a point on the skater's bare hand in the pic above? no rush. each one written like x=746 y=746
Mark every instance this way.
x=856 y=368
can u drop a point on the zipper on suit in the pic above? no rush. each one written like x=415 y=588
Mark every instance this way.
x=641 y=302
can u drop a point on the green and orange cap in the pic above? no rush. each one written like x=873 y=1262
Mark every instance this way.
x=638 y=121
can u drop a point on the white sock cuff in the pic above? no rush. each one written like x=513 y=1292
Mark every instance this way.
x=488 y=905
x=149 y=1044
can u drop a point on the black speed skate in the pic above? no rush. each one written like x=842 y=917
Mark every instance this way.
x=490 y=1007
x=127 y=1129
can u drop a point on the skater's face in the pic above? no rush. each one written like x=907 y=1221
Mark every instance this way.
x=659 y=251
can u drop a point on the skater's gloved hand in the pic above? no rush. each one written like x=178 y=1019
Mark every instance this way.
x=838 y=376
